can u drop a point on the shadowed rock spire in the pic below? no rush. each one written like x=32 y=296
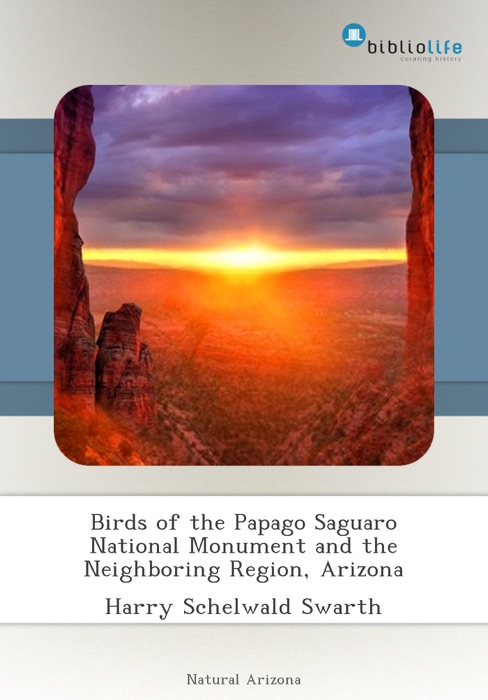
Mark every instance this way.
x=74 y=330
x=124 y=376
x=420 y=235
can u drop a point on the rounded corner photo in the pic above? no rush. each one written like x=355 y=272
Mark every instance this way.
x=243 y=275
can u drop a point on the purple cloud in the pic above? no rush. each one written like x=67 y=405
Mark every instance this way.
x=312 y=165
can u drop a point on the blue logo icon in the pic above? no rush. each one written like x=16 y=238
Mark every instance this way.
x=354 y=34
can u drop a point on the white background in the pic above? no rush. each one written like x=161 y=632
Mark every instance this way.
x=439 y=543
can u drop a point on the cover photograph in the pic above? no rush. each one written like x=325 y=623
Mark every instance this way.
x=244 y=275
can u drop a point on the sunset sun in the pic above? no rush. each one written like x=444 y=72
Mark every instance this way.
x=253 y=257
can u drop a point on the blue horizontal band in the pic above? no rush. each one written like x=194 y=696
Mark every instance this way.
x=26 y=276
x=36 y=398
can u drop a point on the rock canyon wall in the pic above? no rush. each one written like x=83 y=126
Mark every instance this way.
x=74 y=329
x=420 y=236
x=116 y=373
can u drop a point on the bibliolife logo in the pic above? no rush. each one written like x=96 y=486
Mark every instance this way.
x=432 y=50
x=354 y=34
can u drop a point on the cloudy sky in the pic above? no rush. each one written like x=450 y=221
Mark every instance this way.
x=298 y=167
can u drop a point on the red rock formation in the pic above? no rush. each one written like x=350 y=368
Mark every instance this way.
x=123 y=380
x=74 y=331
x=420 y=235
x=124 y=377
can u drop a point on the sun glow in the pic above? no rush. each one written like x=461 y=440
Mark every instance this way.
x=254 y=257
x=246 y=259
